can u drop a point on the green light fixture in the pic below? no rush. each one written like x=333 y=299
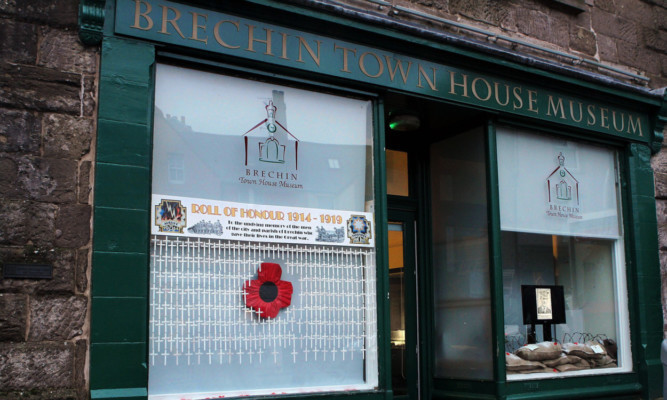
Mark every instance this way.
x=403 y=121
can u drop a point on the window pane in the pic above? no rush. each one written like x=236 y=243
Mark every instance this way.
x=460 y=258
x=397 y=173
x=262 y=250
x=556 y=186
x=397 y=309
x=564 y=292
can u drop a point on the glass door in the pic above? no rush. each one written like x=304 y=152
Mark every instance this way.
x=403 y=305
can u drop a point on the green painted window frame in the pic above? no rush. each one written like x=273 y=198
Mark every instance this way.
x=119 y=322
x=639 y=229
x=119 y=333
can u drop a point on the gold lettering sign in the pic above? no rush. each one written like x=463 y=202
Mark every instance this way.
x=158 y=20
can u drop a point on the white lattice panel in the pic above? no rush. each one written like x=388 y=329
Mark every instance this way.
x=198 y=315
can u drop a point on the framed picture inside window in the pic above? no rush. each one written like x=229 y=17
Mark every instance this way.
x=543 y=304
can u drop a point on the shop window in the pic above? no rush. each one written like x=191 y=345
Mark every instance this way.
x=463 y=345
x=263 y=259
x=564 y=291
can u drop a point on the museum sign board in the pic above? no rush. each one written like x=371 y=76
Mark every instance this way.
x=208 y=30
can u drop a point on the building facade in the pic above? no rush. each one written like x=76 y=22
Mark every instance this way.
x=373 y=199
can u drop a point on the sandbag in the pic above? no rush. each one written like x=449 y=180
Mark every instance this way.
x=578 y=366
x=562 y=360
x=604 y=361
x=515 y=363
x=588 y=351
x=539 y=351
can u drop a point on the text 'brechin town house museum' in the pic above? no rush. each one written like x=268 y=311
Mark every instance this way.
x=355 y=199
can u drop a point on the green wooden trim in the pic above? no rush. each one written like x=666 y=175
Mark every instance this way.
x=120 y=394
x=91 y=21
x=382 y=257
x=644 y=270
x=425 y=266
x=495 y=257
x=118 y=352
x=595 y=385
x=659 y=124
x=604 y=392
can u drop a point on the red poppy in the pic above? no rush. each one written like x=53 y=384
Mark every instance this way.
x=268 y=294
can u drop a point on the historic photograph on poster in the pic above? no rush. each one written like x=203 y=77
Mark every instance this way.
x=544 y=307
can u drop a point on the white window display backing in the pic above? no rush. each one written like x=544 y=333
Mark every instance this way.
x=561 y=228
x=263 y=256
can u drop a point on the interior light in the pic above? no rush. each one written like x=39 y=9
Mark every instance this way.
x=404 y=121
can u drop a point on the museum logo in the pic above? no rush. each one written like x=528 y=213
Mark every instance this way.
x=271 y=151
x=563 y=192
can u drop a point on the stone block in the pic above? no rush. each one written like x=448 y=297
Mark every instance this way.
x=634 y=10
x=487 y=11
x=84 y=182
x=606 y=5
x=62 y=50
x=67 y=136
x=89 y=96
x=661 y=213
x=81 y=353
x=433 y=4
x=634 y=56
x=43 y=394
x=50 y=12
x=8 y=6
x=559 y=30
x=607 y=48
x=8 y=174
x=73 y=225
x=659 y=161
x=48 y=179
x=39 y=88
x=62 y=260
x=614 y=26
x=20 y=131
x=660 y=16
x=583 y=40
x=660 y=185
x=661 y=3
x=82 y=262
x=57 y=318
x=544 y=27
x=25 y=220
x=36 y=366
x=19 y=42
x=655 y=39
x=13 y=317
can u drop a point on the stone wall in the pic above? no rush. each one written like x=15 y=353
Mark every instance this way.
x=47 y=129
x=628 y=34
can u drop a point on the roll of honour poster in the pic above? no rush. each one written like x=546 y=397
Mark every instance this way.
x=263 y=239
x=188 y=217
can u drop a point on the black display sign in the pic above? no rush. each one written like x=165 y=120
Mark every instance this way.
x=543 y=305
x=27 y=271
